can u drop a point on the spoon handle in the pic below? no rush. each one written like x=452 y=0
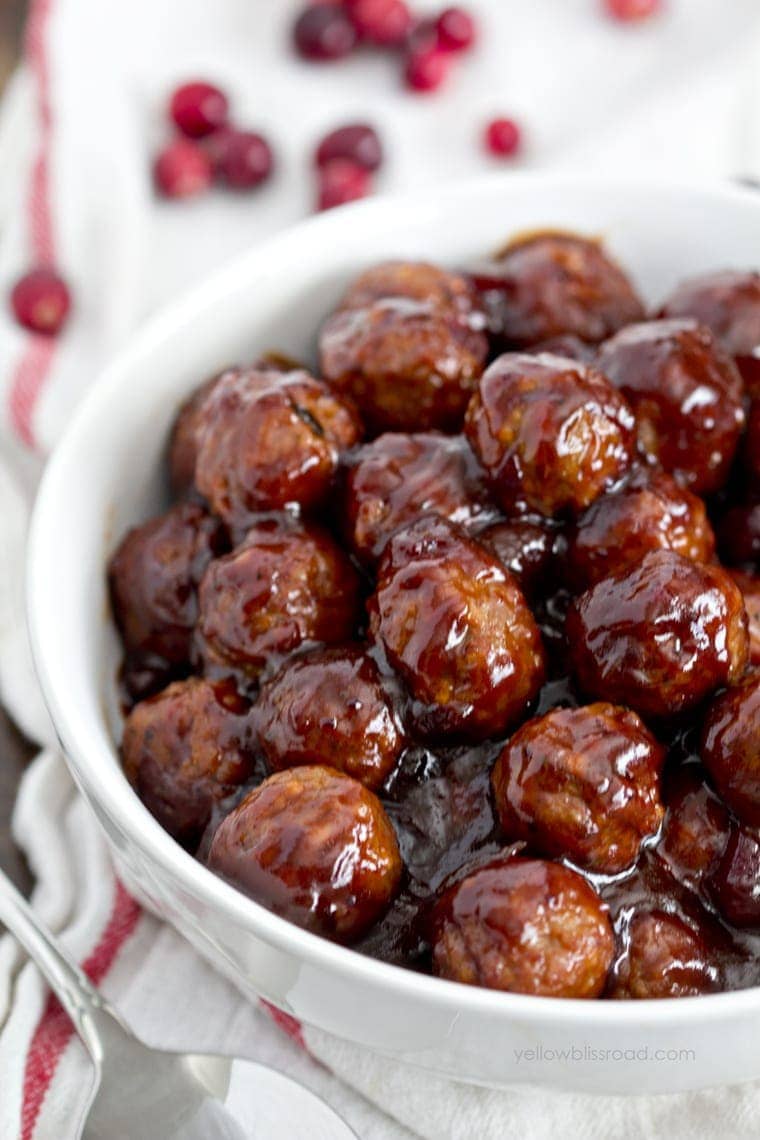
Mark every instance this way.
x=82 y=1002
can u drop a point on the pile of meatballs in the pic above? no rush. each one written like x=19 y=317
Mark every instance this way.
x=445 y=648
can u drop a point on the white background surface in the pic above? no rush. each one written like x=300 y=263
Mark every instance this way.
x=679 y=95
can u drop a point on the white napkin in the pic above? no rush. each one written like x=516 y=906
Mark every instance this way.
x=679 y=94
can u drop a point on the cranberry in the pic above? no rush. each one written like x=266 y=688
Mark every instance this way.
x=382 y=22
x=323 y=32
x=182 y=169
x=456 y=29
x=198 y=109
x=41 y=301
x=628 y=10
x=216 y=145
x=242 y=159
x=503 y=138
x=356 y=141
x=342 y=181
x=422 y=37
x=426 y=70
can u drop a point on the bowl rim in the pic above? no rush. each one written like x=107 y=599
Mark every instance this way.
x=106 y=785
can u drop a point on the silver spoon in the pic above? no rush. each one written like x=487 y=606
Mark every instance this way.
x=139 y=1092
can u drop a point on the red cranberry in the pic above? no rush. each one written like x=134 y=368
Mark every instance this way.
x=242 y=159
x=628 y=10
x=357 y=141
x=422 y=37
x=426 y=70
x=198 y=109
x=215 y=146
x=382 y=22
x=182 y=169
x=41 y=301
x=342 y=181
x=503 y=137
x=323 y=32
x=456 y=29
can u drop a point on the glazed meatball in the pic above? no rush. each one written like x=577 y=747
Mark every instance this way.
x=583 y=784
x=566 y=345
x=329 y=707
x=185 y=750
x=660 y=636
x=750 y=589
x=407 y=345
x=266 y=440
x=526 y=926
x=183 y=447
x=728 y=303
x=687 y=396
x=751 y=442
x=454 y=625
x=735 y=883
x=552 y=284
x=525 y=547
x=651 y=512
x=730 y=748
x=286 y=584
x=739 y=535
x=315 y=847
x=415 y=281
x=665 y=958
x=696 y=827
x=399 y=477
x=551 y=434
x=153 y=578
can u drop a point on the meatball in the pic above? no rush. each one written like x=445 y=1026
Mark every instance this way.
x=286 y=584
x=551 y=284
x=750 y=588
x=651 y=512
x=525 y=547
x=739 y=535
x=727 y=302
x=266 y=440
x=735 y=883
x=407 y=345
x=315 y=847
x=415 y=281
x=329 y=707
x=687 y=396
x=566 y=345
x=153 y=578
x=551 y=434
x=660 y=636
x=186 y=749
x=399 y=477
x=582 y=784
x=665 y=958
x=183 y=448
x=526 y=926
x=752 y=438
x=454 y=625
x=696 y=827
x=730 y=748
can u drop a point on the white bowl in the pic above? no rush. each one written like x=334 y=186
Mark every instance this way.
x=105 y=475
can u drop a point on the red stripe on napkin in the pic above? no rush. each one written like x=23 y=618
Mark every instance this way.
x=34 y=366
x=286 y=1022
x=54 y=1030
x=29 y=377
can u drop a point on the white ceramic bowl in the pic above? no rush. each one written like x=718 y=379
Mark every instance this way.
x=105 y=475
